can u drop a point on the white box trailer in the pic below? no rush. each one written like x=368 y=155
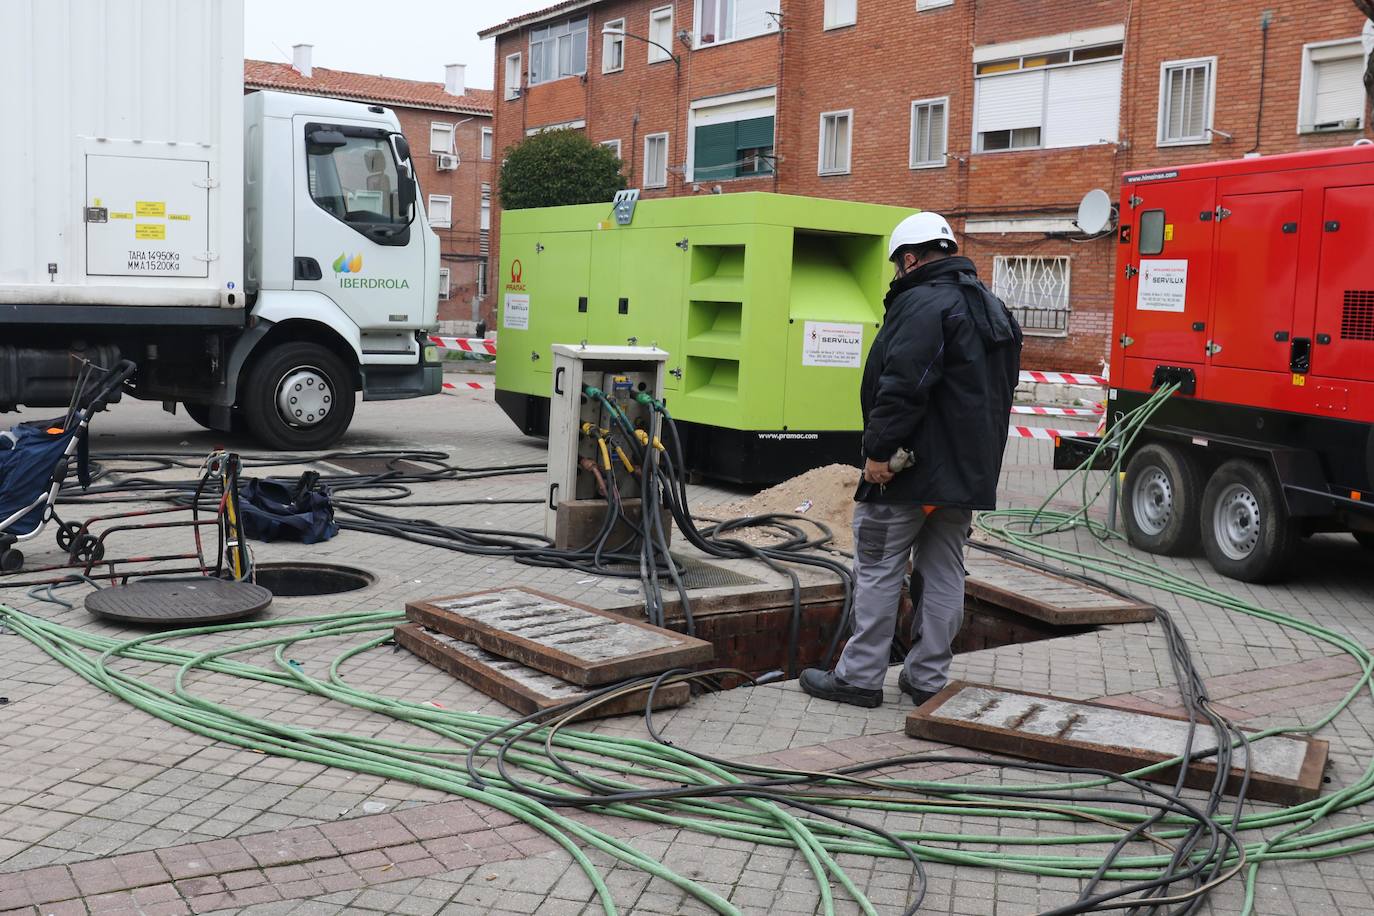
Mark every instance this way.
x=123 y=158
x=262 y=258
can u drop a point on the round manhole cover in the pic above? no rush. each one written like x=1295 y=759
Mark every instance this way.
x=178 y=602
x=297 y=580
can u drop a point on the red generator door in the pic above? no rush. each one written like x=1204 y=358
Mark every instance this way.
x=1256 y=275
x=1168 y=280
x=1344 y=345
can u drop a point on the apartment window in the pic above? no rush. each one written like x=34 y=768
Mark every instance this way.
x=1187 y=89
x=484 y=222
x=482 y=279
x=613 y=47
x=1047 y=98
x=1036 y=290
x=486 y=142
x=613 y=146
x=1332 y=95
x=558 y=50
x=513 y=76
x=440 y=137
x=660 y=33
x=729 y=20
x=929 y=133
x=656 y=161
x=440 y=211
x=932 y=4
x=840 y=13
x=732 y=137
x=836 y=137
x=444 y=288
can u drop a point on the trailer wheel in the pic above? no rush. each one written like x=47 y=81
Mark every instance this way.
x=299 y=396
x=1163 y=496
x=1246 y=530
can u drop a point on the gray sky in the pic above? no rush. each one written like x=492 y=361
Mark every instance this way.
x=406 y=38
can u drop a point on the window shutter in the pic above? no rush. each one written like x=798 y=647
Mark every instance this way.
x=754 y=133
x=1083 y=104
x=716 y=152
x=1339 y=92
x=1010 y=101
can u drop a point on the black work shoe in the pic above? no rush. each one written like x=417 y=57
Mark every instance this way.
x=828 y=686
x=919 y=697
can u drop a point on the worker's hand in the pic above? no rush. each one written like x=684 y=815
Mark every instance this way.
x=877 y=472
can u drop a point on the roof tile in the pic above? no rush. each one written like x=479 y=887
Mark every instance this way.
x=261 y=74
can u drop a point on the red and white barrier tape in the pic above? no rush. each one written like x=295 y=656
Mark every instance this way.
x=458 y=386
x=1057 y=411
x=1041 y=432
x=466 y=344
x=1063 y=378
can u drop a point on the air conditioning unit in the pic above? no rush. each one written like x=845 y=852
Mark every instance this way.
x=445 y=162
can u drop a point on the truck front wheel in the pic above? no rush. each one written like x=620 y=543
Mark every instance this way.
x=1246 y=530
x=1163 y=493
x=298 y=396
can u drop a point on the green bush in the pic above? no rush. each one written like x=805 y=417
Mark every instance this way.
x=556 y=168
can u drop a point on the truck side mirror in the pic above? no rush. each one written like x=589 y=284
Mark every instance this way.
x=405 y=187
x=402 y=148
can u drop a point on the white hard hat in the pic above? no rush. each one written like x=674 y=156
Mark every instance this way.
x=920 y=228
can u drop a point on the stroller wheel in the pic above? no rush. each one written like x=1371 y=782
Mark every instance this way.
x=11 y=561
x=87 y=549
x=66 y=535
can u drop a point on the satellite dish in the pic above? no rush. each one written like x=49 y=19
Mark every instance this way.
x=1095 y=212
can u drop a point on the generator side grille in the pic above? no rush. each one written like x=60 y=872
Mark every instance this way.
x=1357 y=318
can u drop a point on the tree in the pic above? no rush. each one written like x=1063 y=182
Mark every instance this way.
x=559 y=167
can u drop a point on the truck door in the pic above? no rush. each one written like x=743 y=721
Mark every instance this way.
x=147 y=217
x=1344 y=341
x=354 y=241
x=1167 y=279
x=1256 y=274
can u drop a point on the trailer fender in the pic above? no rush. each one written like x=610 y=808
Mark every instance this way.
x=297 y=309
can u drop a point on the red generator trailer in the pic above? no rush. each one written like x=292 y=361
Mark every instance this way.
x=1251 y=284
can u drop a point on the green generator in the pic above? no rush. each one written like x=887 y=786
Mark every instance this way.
x=766 y=303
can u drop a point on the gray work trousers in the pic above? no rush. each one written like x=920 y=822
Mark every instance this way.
x=884 y=537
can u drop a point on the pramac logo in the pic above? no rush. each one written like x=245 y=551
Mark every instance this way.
x=353 y=264
x=517 y=273
x=344 y=264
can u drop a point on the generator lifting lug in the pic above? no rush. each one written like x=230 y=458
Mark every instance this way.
x=1131 y=271
x=1221 y=212
x=1125 y=341
x=1212 y=348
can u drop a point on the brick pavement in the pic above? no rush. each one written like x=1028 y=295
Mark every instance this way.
x=104 y=809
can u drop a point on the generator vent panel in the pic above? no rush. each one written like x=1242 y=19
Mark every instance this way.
x=1357 y=318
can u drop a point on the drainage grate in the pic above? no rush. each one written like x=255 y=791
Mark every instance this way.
x=295 y=580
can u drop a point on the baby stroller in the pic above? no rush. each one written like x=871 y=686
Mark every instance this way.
x=36 y=457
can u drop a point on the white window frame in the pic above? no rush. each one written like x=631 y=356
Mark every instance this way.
x=767 y=107
x=1306 y=98
x=447 y=148
x=614 y=145
x=656 y=54
x=434 y=221
x=445 y=283
x=943 y=102
x=609 y=42
x=557 y=39
x=1165 y=67
x=648 y=138
x=998 y=263
x=514 y=67
x=923 y=5
x=488 y=143
x=770 y=26
x=848 y=115
x=834 y=14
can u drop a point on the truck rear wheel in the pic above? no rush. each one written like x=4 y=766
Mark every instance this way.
x=298 y=396
x=1163 y=496
x=1246 y=530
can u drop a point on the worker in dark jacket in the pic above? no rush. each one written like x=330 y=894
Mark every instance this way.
x=936 y=394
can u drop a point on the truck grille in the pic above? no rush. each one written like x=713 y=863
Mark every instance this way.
x=1357 y=319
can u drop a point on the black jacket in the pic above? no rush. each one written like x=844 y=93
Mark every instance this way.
x=939 y=380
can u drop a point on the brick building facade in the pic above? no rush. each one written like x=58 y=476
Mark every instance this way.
x=450 y=132
x=1000 y=114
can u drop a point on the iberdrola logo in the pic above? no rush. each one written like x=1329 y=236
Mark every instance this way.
x=343 y=264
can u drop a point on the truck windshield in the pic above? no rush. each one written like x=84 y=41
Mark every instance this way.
x=356 y=182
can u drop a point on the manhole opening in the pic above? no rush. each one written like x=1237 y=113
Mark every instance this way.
x=297 y=580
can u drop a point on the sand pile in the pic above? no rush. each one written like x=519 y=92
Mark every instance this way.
x=829 y=490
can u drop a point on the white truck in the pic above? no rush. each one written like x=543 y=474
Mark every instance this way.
x=261 y=258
